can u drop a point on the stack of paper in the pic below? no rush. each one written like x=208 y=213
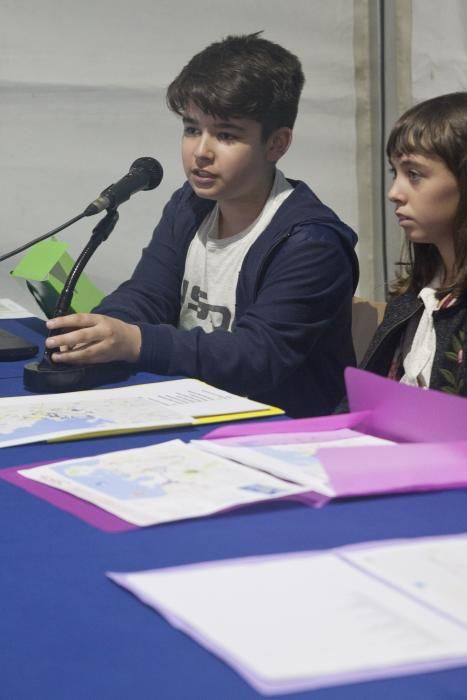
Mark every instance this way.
x=299 y=621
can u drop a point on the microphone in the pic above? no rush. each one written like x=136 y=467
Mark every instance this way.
x=144 y=174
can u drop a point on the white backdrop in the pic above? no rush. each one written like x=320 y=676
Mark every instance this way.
x=439 y=48
x=438 y=65
x=83 y=95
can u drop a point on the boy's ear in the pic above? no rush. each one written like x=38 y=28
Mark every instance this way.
x=278 y=143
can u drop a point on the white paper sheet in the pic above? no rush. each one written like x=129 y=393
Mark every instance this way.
x=160 y=483
x=299 y=621
x=10 y=309
x=435 y=571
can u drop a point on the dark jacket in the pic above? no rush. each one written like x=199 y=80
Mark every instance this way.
x=449 y=365
x=291 y=339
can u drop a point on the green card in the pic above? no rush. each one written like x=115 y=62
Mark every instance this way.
x=45 y=268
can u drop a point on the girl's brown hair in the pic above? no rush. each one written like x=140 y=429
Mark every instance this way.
x=436 y=128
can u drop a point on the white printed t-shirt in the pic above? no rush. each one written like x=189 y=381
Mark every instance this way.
x=213 y=264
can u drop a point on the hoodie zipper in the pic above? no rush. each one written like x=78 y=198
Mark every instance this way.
x=267 y=256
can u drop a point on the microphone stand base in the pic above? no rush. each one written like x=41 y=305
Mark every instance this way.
x=43 y=377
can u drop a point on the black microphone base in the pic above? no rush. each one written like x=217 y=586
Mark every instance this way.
x=44 y=377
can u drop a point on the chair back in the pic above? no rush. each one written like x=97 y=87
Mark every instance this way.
x=366 y=317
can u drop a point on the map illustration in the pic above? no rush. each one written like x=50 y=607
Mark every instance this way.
x=162 y=482
x=45 y=418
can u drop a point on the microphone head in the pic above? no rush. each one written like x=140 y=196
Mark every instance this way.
x=152 y=169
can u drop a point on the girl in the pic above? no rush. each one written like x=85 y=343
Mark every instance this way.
x=422 y=338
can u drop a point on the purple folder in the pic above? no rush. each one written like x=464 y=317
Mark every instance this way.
x=405 y=413
x=380 y=407
x=76 y=506
x=378 y=469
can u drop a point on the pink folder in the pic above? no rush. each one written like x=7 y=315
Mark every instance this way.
x=380 y=407
x=88 y=512
x=378 y=469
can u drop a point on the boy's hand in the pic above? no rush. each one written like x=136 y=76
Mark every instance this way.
x=92 y=338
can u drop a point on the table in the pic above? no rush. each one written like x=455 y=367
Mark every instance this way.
x=68 y=633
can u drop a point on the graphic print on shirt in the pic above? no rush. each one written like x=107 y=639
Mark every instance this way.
x=220 y=315
x=212 y=266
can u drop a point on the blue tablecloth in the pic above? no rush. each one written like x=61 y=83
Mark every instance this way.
x=68 y=633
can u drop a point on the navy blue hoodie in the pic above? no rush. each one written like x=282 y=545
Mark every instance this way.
x=291 y=339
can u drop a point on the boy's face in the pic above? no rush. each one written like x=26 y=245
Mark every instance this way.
x=226 y=160
x=426 y=195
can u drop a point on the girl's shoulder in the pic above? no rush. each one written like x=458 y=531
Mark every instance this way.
x=401 y=306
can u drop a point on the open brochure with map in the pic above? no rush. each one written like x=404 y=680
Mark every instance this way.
x=25 y=419
x=161 y=483
x=173 y=480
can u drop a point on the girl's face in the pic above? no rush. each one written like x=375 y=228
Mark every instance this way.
x=426 y=195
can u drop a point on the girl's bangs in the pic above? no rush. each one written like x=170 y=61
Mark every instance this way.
x=409 y=138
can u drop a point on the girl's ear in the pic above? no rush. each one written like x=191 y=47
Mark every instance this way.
x=278 y=143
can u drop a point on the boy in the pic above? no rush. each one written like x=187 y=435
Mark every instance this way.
x=248 y=279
